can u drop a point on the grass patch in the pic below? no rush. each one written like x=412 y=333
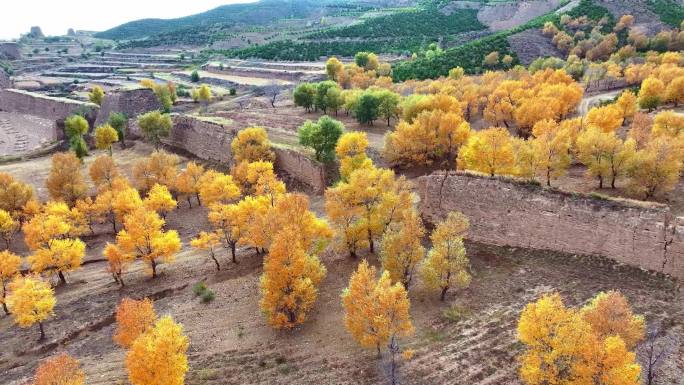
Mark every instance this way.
x=456 y=313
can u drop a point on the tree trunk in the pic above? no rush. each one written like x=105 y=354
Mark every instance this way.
x=199 y=202
x=42 y=331
x=548 y=177
x=600 y=181
x=443 y=295
x=612 y=182
x=218 y=267
x=232 y=251
x=154 y=268
x=189 y=201
x=62 y=279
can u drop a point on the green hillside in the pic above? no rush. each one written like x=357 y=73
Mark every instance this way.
x=260 y=13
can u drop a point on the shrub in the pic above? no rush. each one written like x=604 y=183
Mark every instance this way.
x=199 y=288
x=194 y=76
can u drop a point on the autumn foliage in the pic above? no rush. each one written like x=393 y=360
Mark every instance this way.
x=566 y=345
x=376 y=311
x=157 y=357
x=133 y=318
x=61 y=369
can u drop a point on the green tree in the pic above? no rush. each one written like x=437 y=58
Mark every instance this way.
x=75 y=127
x=389 y=104
x=322 y=136
x=367 y=108
x=304 y=95
x=194 y=76
x=119 y=122
x=155 y=126
x=321 y=99
x=361 y=59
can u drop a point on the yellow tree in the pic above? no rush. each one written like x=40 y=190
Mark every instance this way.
x=10 y=265
x=229 y=228
x=31 y=300
x=674 y=92
x=105 y=136
x=651 y=93
x=447 y=264
x=592 y=147
x=401 y=248
x=14 y=194
x=563 y=347
x=118 y=261
x=488 y=151
x=103 y=171
x=656 y=168
x=96 y=95
x=216 y=187
x=254 y=222
x=159 y=199
x=620 y=155
x=609 y=314
x=52 y=236
x=158 y=356
x=133 y=318
x=209 y=242
x=143 y=237
x=59 y=257
x=668 y=123
x=187 y=182
x=8 y=227
x=627 y=102
x=289 y=284
x=607 y=118
x=379 y=196
x=551 y=144
x=351 y=152
x=376 y=311
x=333 y=67
x=61 y=369
x=252 y=144
x=348 y=222
x=262 y=180
x=92 y=213
x=65 y=181
x=159 y=168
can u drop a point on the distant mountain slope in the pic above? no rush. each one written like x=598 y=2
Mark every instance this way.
x=259 y=13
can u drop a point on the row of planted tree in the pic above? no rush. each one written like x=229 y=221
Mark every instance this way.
x=613 y=140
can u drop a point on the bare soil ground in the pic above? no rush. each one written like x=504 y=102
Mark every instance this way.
x=231 y=344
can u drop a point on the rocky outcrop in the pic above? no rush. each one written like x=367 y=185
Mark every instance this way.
x=130 y=102
x=509 y=212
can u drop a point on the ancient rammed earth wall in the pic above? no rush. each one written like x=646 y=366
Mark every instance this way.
x=513 y=213
x=205 y=139
x=210 y=138
x=46 y=107
x=130 y=102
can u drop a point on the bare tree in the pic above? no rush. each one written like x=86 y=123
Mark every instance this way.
x=655 y=351
x=272 y=91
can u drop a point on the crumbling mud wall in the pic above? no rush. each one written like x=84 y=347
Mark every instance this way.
x=209 y=139
x=130 y=102
x=206 y=139
x=46 y=107
x=509 y=212
x=301 y=168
